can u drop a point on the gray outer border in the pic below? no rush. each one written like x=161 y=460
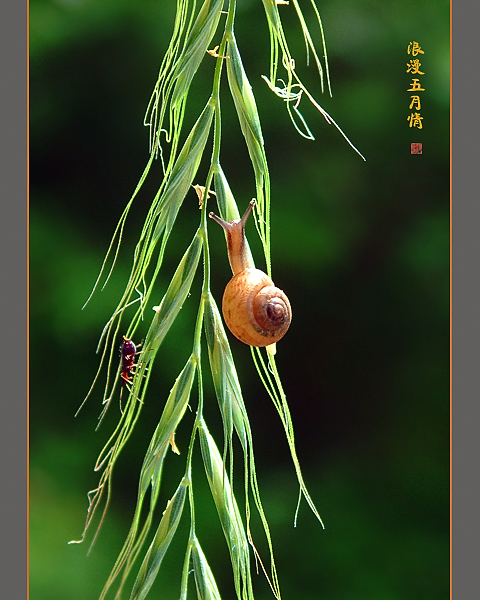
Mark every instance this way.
x=13 y=252
x=465 y=298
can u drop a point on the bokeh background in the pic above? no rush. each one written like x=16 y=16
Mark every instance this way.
x=362 y=248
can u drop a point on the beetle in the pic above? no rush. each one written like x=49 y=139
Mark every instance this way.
x=128 y=351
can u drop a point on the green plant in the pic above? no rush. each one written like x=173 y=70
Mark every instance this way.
x=190 y=44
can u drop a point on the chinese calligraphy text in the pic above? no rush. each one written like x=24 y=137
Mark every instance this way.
x=415 y=119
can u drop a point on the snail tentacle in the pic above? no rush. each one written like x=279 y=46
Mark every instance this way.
x=255 y=311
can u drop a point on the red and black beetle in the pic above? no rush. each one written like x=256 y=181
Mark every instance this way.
x=128 y=351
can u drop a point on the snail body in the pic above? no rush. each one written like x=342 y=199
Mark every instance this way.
x=255 y=311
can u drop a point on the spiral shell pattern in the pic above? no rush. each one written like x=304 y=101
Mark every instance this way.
x=255 y=311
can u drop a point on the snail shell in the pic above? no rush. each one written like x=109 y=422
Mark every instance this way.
x=255 y=311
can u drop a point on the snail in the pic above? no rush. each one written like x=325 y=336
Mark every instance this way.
x=255 y=311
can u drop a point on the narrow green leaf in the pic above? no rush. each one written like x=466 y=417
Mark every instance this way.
x=246 y=107
x=172 y=414
x=174 y=297
x=196 y=45
x=224 y=374
x=206 y=585
x=276 y=393
x=228 y=513
x=226 y=204
x=159 y=546
x=250 y=125
x=187 y=162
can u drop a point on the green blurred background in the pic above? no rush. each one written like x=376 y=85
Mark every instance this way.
x=362 y=248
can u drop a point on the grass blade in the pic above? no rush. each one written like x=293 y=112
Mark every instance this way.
x=206 y=585
x=159 y=546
